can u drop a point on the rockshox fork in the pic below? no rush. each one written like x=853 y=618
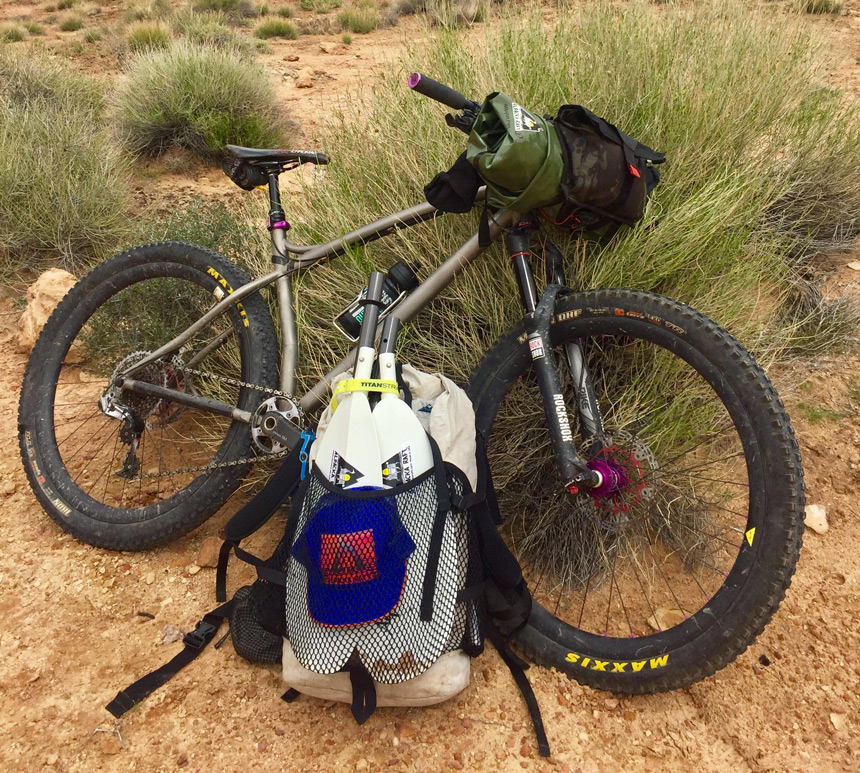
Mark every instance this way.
x=573 y=469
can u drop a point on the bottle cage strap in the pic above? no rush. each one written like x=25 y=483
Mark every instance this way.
x=364 y=385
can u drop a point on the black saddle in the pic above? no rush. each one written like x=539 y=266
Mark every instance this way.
x=250 y=168
x=276 y=156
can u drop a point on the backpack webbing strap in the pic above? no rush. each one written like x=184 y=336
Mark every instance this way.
x=363 y=693
x=518 y=668
x=266 y=503
x=194 y=643
x=434 y=550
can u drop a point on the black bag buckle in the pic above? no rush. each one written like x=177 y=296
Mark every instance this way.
x=200 y=636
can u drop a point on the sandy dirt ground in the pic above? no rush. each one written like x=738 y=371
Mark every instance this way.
x=71 y=632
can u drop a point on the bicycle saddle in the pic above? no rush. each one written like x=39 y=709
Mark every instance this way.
x=277 y=156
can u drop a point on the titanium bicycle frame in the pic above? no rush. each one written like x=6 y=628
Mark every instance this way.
x=290 y=259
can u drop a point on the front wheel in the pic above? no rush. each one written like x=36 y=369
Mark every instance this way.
x=670 y=576
x=125 y=470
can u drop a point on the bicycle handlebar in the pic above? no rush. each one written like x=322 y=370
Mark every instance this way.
x=438 y=91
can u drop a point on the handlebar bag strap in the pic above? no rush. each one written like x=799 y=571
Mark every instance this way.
x=517 y=154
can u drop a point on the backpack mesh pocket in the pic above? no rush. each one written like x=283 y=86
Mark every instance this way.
x=399 y=645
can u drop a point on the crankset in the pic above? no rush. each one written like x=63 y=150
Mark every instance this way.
x=275 y=426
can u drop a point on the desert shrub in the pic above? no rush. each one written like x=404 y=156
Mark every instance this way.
x=92 y=36
x=11 y=33
x=451 y=13
x=276 y=28
x=152 y=9
x=71 y=23
x=235 y=10
x=210 y=29
x=285 y=12
x=63 y=182
x=834 y=7
x=320 y=6
x=346 y=39
x=33 y=28
x=147 y=36
x=360 y=18
x=64 y=5
x=195 y=97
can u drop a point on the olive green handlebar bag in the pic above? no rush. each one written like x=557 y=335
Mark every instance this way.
x=517 y=154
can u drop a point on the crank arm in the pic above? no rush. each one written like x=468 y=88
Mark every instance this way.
x=275 y=426
x=183 y=398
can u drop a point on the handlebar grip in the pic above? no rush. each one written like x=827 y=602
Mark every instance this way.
x=438 y=91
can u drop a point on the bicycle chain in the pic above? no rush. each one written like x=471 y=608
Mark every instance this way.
x=235 y=462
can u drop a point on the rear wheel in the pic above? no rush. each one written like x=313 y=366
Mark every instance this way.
x=124 y=470
x=671 y=574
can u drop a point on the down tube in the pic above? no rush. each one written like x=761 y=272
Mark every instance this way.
x=315 y=397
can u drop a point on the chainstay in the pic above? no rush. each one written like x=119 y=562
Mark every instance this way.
x=236 y=462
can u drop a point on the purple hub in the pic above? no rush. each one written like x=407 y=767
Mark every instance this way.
x=614 y=478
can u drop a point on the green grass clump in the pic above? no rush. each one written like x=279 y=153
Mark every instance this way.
x=346 y=39
x=285 y=12
x=64 y=5
x=92 y=36
x=33 y=28
x=835 y=7
x=235 y=10
x=63 y=182
x=210 y=29
x=195 y=97
x=320 y=6
x=153 y=9
x=361 y=18
x=11 y=33
x=276 y=28
x=147 y=36
x=71 y=24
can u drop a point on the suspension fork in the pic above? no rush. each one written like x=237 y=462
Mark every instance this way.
x=573 y=469
x=590 y=421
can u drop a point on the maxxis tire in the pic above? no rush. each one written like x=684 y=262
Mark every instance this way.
x=675 y=657
x=138 y=528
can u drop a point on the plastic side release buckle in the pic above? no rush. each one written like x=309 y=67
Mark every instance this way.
x=200 y=636
x=308 y=436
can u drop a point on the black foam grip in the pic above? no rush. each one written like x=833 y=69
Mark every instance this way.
x=438 y=91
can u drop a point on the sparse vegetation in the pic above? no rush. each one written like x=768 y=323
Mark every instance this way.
x=210 y=29
x=195 y=97
x=360 y=18
x=92 y=35
x=152 y=9
x=33 y=28
x=346 y=38
x=11 y=33
x=64 y=5
x=320 y=6
x=147 y=36
x=63 y=182
x=276 y=28
x=285 y=12
x=834 y=7
x=235 y=10
x=71 y=23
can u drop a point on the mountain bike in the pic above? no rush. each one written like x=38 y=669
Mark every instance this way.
x=647 y=472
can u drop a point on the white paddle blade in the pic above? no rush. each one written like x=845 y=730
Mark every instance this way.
x=348 y=454
x=404 y=448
